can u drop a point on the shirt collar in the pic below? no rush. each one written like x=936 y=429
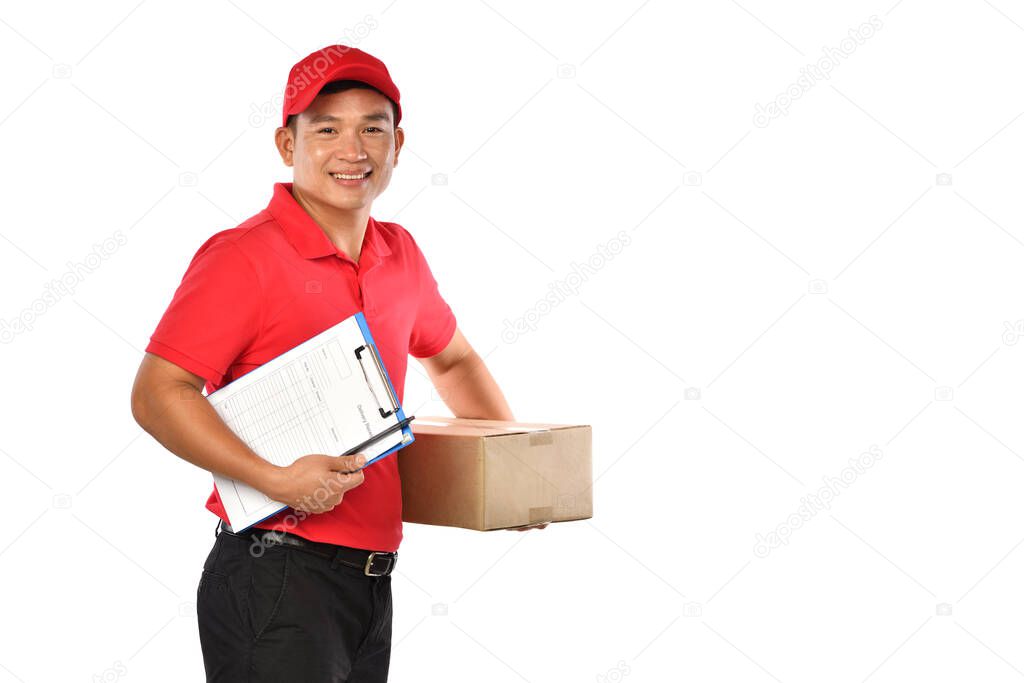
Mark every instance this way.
x=308 y=237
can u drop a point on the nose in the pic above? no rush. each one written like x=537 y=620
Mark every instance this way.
x=350 y=147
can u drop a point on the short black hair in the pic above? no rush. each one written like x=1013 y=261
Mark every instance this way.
x=338 y=86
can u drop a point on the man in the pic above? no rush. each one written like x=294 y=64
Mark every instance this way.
x=306 y=594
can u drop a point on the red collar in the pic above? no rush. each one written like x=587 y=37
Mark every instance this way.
x=308 y=237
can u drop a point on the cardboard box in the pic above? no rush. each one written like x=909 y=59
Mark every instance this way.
x=491 y=474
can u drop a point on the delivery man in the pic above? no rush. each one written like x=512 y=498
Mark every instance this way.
x=305 y=595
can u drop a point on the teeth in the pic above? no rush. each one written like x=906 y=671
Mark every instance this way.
x=342 y=176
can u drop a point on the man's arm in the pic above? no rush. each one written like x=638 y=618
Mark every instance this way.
x=464 y=383
x=167 y=402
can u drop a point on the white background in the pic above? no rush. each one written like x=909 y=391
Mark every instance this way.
x=792 y=294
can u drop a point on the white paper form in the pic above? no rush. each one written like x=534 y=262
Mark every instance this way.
x=317 y=397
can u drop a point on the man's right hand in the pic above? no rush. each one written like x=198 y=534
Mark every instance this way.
x=317 y=483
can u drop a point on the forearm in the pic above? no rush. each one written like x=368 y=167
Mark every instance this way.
x=469 y=390
x=184 y=422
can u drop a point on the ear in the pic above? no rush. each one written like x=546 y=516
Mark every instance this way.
x=285 y=142
x=399 y=141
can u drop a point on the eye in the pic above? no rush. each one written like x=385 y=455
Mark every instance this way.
x=374 y=128
x=322 y=130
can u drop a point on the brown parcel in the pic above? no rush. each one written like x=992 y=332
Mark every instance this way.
x=492 y=474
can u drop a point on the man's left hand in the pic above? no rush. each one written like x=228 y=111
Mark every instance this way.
x=529 y=526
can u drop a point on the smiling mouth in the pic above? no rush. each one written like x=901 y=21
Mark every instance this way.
x=350 y=176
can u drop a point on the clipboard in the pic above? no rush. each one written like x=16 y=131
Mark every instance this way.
x=330 y=394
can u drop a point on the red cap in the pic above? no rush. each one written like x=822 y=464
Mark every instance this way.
x=335 y=63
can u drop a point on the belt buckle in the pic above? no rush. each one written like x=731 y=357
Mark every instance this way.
x=369 y=563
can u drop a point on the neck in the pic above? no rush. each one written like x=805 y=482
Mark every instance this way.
x=344 y=228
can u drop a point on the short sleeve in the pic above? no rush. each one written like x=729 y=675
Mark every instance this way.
x=435 y=322
x=215 y=313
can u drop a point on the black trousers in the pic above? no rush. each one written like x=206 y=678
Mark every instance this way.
x=276 y=613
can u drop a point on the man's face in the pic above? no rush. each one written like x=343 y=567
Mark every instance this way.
x=350 y=132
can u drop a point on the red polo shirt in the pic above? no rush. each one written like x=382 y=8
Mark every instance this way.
x=252 y=292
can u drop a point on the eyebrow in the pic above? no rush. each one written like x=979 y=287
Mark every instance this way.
x=330 y=118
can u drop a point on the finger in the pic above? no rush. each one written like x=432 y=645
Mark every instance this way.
x=348 y=463
x=340 y=463
x=352 y=480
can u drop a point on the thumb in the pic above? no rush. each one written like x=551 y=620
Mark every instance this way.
x=348 y=463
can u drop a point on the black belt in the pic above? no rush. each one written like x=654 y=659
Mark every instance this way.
x=372 y=563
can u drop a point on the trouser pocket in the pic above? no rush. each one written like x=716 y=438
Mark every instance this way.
x=217 y=596
x=267 y=584
x=223 y=634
